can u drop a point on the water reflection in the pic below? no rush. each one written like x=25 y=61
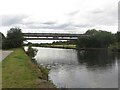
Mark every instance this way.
x=94 y=59
x=54 y=56
x=75 y=69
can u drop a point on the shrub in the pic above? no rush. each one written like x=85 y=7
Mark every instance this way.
x=31 y=52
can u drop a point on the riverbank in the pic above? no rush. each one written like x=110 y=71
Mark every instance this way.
x=68 y=47
x=57 y=46
x=18 y=71
x=113 y=48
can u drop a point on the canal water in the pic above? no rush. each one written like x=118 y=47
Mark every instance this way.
x=70 y=68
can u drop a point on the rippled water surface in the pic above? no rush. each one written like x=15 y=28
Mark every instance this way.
x=80 y=69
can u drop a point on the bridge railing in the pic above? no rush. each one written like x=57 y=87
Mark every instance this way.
x=51 y=35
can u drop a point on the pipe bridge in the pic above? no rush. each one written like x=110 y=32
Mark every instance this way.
x=52 y=36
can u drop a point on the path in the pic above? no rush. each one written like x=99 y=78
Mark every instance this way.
x=4 y=54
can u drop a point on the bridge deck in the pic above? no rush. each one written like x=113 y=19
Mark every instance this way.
x=50 y=38
x=51 y=35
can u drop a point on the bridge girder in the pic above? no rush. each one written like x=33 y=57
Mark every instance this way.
x=55 y=36
x=51 y=35
x=48 y=39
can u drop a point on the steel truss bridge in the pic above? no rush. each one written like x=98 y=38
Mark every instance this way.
x=52 y=36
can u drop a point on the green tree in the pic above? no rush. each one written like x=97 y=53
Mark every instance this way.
x=14 y=38
x=105 y=38
x=97 y=39
x=91 y=32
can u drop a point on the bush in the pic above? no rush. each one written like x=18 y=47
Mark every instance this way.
x=31 y=52
x=115 y=47
x=45 y=72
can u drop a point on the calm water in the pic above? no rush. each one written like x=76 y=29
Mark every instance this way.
x=74 y=69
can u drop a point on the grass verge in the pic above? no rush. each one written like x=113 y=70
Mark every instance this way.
x=18 y=71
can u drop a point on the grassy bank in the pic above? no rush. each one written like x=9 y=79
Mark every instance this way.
x=18 y=71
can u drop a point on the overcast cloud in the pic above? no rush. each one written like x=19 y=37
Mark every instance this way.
x=75 y=16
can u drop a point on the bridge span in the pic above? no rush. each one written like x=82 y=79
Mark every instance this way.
x=52 y=36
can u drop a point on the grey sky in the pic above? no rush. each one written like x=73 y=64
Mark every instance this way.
x=70 y=16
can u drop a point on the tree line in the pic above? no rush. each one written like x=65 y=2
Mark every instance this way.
x=13 y=39
x=93 y=39
x=98 y=39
